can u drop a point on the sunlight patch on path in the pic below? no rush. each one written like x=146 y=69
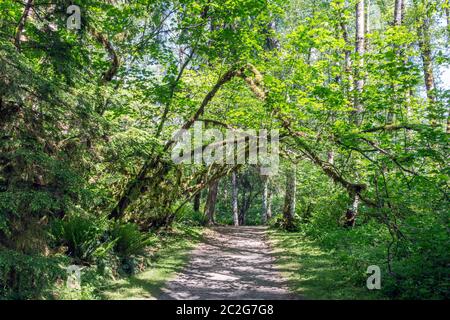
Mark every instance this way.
x=231 y=263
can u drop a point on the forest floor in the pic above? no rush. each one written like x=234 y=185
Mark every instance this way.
x=230 y=263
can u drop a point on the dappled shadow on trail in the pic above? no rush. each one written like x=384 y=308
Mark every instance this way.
x=231 y=263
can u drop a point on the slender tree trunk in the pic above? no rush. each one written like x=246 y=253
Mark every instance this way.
x=423 y=32
x=425 y=48
x=197 y=199
x=234 y=198
x=347 y=61
x=398 y=18
x=265 y=202
x=269 y=203
x=398 y=12
x=22 y=21
x=447 y=13
x=359 y=50
x=243 y=207
x=211 y=202
x=242 y=211
x=367 y=25
x=331 y=157
x=351 y=214
x=289 y=198
x=271 y=42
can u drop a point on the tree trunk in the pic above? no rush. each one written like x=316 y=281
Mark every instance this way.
x=398 y=13
x=289 y=198
x=350 y=216
x=398 y=18
x=243 y=209
x=241 y=216
x=447 y=13
x=269 y=204
x=21 y=25
x=134 y=187
x=265 y=202
x=359 y=50
x=271 y=42
x=347 y=52
x=367 y=25
x=330 y=157
x=211 y=202
x=234 y=198
x=425 y=48
x=197 y=199
x=423 y=32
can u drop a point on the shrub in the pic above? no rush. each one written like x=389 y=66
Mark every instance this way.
x=28 y=276
x=278 y=221
x=422 y=260
x=128 y=240
x=188 y=215
x=85 y=237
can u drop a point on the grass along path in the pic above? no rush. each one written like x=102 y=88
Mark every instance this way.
x=313 y=272
x=170 y=257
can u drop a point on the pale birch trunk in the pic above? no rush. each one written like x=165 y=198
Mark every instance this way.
x=265 y=204
x=289 y=198
x=359 y=50
x=234 y=198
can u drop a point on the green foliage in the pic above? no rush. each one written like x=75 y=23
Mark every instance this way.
x=169 y=254
x=191 y=217
x=29 y=276
x=129 y=240
x=278 y=221
x=85 y=237
x=419 y=260
x=421 y=269
x=74 y=140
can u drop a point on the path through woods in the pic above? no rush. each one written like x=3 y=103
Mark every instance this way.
x=231 y=263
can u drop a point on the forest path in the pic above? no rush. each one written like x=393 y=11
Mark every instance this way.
x=230 y=263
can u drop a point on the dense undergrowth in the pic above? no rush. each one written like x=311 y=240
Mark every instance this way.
x=105 y=252
x=327 y=261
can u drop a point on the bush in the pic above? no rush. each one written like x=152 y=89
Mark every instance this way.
x=421 y=265
x=128 y=240
x=29 y=276
x=188 y=215
x=85 y=238
x=278 y=221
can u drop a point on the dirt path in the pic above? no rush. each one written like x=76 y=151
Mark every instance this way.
x=231 y=263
